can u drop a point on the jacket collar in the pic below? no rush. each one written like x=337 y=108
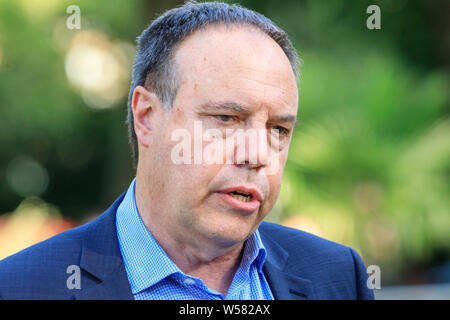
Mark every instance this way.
x=285 y=285
x=102 y=259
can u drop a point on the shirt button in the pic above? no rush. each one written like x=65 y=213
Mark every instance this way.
x=189 y=281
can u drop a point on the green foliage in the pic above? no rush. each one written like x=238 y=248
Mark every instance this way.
x=373 y=147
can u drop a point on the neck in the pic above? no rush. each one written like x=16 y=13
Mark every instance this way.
x=197 y=256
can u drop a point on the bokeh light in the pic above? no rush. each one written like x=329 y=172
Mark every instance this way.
x=32 y=221
x=27 y=177
x=99 y=68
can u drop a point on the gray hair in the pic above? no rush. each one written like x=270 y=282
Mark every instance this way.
x=154 y=65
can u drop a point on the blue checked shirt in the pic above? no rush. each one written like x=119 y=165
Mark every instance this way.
x=154 y=276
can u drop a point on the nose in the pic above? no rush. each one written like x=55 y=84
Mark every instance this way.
x=251 y=149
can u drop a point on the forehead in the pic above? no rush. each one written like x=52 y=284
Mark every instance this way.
x=235 y=63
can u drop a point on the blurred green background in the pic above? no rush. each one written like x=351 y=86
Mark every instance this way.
x=369 y=165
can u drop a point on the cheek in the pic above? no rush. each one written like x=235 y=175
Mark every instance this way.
x=192 y=182
x=275 y=186
x=274 y=181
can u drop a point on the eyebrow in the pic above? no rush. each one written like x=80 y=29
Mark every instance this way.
x=232 y=106
x=288 y=118
x=223 y=106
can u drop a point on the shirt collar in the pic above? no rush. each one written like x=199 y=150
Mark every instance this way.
x=146 y=262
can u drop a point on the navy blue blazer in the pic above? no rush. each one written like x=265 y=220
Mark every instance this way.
x=299 y=265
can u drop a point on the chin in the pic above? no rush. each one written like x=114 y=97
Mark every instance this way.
x=228 y=233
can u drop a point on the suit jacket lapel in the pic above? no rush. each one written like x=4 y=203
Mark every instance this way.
x=114 y=286
x=102 y=259
x=285 y=285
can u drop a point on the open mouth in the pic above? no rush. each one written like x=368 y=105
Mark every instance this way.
x=242 y=198
x=245 y=197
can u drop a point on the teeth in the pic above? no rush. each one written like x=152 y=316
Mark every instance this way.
x=241 y=197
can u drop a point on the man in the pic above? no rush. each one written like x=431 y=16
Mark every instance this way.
x=192 y=228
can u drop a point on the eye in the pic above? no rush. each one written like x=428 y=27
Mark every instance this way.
x=224 y=118
x=282 y=130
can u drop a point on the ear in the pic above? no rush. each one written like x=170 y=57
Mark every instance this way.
x=144 y=103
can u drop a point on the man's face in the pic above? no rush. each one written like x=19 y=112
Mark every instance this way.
x=229 y=78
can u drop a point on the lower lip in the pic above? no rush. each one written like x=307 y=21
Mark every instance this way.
x=250 y=206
